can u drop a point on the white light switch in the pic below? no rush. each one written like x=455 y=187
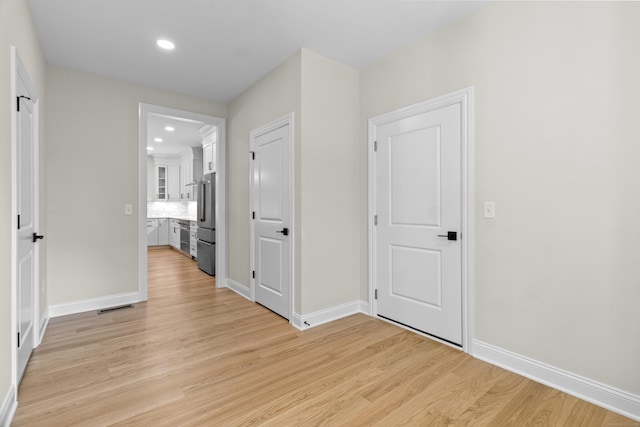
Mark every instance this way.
x=489 y=209
x=128 y=209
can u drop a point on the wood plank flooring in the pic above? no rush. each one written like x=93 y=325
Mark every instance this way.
x=197 y=355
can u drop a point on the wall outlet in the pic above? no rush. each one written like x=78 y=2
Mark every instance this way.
x=489 y=209
x=128 y=209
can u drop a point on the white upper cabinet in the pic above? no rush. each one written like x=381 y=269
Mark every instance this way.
x=167 y=179
x=209 y=141
x=190 y=172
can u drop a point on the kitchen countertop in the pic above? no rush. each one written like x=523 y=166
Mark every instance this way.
x=184 y=217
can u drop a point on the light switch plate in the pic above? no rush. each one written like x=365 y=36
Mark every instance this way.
x=128 y=209
x=489 y=209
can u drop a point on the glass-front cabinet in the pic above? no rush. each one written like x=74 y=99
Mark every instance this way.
x=161 y=173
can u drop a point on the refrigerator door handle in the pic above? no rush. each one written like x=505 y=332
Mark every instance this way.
x=202 y=198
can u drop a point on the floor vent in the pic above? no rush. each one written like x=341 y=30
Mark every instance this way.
x=106 y=310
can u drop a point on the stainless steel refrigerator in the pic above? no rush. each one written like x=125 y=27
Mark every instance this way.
x=207 y=224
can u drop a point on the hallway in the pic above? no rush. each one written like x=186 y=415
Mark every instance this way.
x=197 y=355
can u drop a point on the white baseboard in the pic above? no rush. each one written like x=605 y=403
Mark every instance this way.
x=239 y=289
x=364 y=307
x=93 y=304
x=43 y=328
x=597 y=393
x=330 y=314
x=8 y=408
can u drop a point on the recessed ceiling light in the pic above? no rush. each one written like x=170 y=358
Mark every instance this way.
x=169 y=129
x=165 y=44
x=149 y=148
x=157 y=139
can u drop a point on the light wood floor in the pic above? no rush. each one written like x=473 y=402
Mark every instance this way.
x=196 y=355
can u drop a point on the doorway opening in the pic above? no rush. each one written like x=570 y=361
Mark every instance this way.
x=174 y=146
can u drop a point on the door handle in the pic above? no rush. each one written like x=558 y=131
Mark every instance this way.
x=284 y=231
x=451 y=235
x=36 y=236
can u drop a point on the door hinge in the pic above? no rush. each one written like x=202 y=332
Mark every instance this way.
x=253 y=215
x=18 y=103
x=18 y=222
x=375 y=145
x=18 y=339
x=375 y=220
x=253 y=155
x=375 y=293
x=253 y=274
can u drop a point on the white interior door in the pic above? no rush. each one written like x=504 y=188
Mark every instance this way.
x=418 y=203
x=27 y=237
x=271 y=199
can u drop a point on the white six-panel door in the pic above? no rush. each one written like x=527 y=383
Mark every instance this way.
x=418 y=267
x=271 y=200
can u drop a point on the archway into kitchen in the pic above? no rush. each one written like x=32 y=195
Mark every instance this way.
x=163 y=184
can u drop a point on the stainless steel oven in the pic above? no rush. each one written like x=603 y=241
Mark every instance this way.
x=185 y=236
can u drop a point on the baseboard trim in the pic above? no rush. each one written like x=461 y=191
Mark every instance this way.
x=594 y=392
x=239 y=289
x=43 y=328
x=327 y=315
x=93 y=304
x=8 y=408
x=364 y=308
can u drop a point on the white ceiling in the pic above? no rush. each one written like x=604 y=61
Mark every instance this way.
x=224 y=46
x=184 y=135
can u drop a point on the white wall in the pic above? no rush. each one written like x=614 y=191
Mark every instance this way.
x=16 y=28
x=557 y=125
x=272 y=97
x=329 y=187
x=323 y=95
x=92 y=134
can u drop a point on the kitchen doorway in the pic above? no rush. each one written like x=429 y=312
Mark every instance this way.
x=179 y=183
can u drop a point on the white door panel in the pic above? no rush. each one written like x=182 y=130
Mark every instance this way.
x=271 y=207
x=418 y=200
x=26 y=209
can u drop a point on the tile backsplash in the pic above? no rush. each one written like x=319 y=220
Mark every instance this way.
x=171 y=209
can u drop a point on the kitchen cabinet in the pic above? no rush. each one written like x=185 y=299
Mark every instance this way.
x=174 y=233
x=157 y=231
x=190 y=172
x=163 y=231
x=152 y=232
x=193 y=232
x=209 y=142
x=167 y=181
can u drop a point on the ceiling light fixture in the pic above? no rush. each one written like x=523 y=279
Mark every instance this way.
x=165 y=44
x=169 y=129
x=149 y=148
x=157 y=139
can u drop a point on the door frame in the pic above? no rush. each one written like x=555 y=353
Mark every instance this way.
x=19 y=71
x=221 y=191
x=464 y=97
x=287 y=119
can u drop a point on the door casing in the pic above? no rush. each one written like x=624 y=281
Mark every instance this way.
x=465 y=98
x=285 y=120
x=221 y=194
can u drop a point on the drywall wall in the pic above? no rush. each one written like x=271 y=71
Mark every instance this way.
x=275 y=95
x=328 y=189
x=16 y=28
x=92 y=134
x=323 y=95
x=556 y=114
